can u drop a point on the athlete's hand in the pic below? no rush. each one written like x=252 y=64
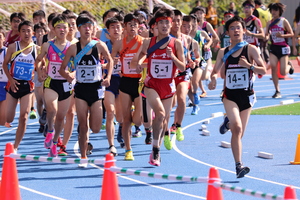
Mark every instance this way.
x=170 y=52
x=191 y=64
x=279 y=35
x=105 y=82
x=71 y=77
x=14 y=85
x=42 y=76
x=243 y=62
x=212 y=84
x=206 y=47
x=248 y=33
x=139 y=68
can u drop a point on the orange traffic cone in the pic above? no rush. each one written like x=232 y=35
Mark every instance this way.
x=290 y=193
x=297 y=154
x=9 y=183
x=110 y=187
x=214 y=193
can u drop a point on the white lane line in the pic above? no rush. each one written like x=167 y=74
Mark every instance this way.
x=223 y=169
x=40 y=193
x=76 y=147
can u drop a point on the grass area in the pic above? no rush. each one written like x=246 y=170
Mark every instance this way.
x=290 y=109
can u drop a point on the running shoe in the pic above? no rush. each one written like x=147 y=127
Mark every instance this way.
x=241 y=171
x=196 y=99
x=113 y=150
x=48 y=142
x=179 y=134
x=103 y=124
x=62 y=151
x=45 y=130
x=195 y=110
x=137 y=133
x=148 y=139
x=154 y=159
x=204 y=94
x=89 y=149
x=259 y=75
x=190 y=104
x=173 y=129
x=120 y=137
x=53 y=151
x=7 y=125
x=59 y=142
x=291 y=71
x=83 y=165
x=41 y=129
x=42 y=119
x=167 y=142
x=277 y=95
x=32 y=114
x=224 y=126
x=129 y=155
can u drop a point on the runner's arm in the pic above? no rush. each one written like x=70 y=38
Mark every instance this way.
x=109 y=65
x=295 y=38
x=288 y=29
x=218 y=66
x=178 y=60
x=259 y=67
x=39 y=64
x=71 y=52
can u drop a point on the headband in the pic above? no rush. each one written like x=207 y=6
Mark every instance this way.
x=163 y=18
x=60 y=22
x=229 y=14
x=89 y=22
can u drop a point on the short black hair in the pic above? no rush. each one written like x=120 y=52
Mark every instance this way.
x=248 y=2
x=40 y=25
x=228 y=12
x=51 y=16
x=235 y=19
x=59 y=17
x=108 y=11
x=198 y=8
x=258 y=2
x=25 y=23
x=277 y=6
x=83 y=19
x=129 y=17
x=19 y=15
x=88 y=14
x=187 y=18
x=39 y=13
x=115 y=19
x=164 y=12
x=177 y=12
x=157 y=7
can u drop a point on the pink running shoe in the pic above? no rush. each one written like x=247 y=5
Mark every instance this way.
x=48 y=143
x=155 y=161
x=53 y=151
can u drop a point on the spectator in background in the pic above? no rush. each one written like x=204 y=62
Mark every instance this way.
x=197 y=3
x=211 y=14
x=13 y=35
x=232 y=9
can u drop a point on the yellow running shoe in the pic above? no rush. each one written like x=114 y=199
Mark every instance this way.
x=129 y=155
x=167 y=142
x=179 y=134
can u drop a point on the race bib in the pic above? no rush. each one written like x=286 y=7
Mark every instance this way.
x=226 y=42
x=161 y=69
x=23 y=71
x=3 y=77
x=117 y=68
x=237 y=78
x=126 y=65
x=249 y=39
x=277 y=39
x=54 y=70
x=88 y=73
x=286 y=50
x=101 y=92
x=67 y=86
x=207 y=55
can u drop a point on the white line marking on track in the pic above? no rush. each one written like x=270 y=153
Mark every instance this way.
x=41 y=193
x=223 y=169
x=76 y=147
